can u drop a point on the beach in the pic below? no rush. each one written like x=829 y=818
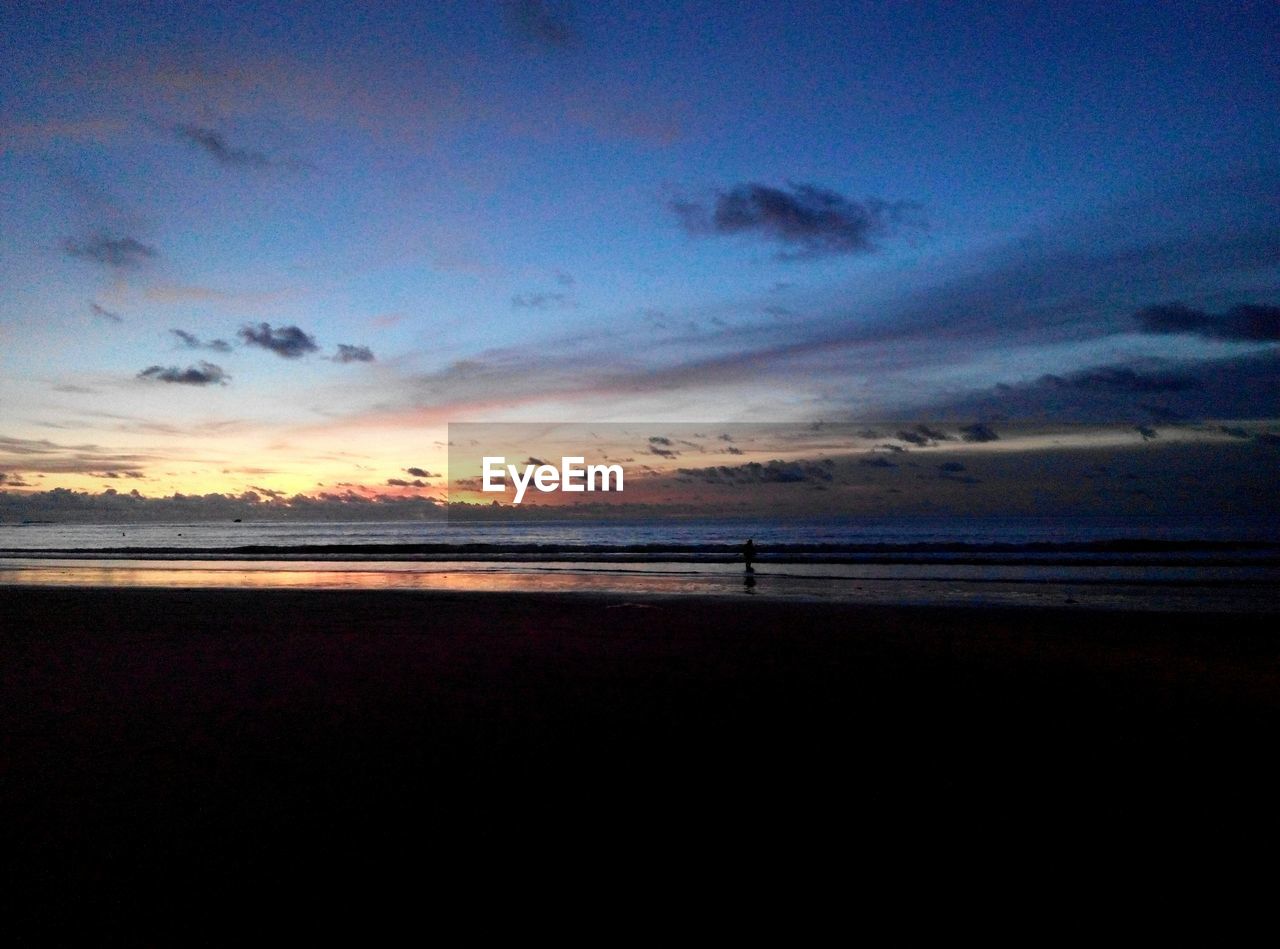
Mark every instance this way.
x=191 y=742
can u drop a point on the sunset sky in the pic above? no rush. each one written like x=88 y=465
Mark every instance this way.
x=275 y=248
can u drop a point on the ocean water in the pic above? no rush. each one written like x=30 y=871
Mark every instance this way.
x=694 y=533
x=1218 y=563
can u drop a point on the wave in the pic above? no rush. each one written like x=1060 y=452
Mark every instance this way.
x=1108 y=552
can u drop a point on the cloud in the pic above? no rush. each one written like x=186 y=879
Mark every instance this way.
x=213 y=144
x=772 y=472
x=44 y=456
x=348 y=353
x=541 y=301
x=565 y=279
x=1247 y=322
x=1123 y=379
x=808 y=220
x=953 y=471
x=401 y=483
x=13 y=481
x=190 y=341
x=110 y=506
x=287 y=341
x=661 y=446
x=978 y=432
x=1239 y=387
x=923 y=435
x=120 y=253
x=203 y=375
x=542 y=22
x=104 y=313
x=420 y=473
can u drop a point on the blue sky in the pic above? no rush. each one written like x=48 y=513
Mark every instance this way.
x=653 y=211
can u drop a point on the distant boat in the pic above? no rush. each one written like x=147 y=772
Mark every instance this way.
x=237 y=520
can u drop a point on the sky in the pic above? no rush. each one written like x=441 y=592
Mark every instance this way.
x=273 y=249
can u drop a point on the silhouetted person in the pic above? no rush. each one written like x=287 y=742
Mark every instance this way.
x=749 y=554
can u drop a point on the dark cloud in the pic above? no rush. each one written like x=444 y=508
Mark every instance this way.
x=1242 y=387
x=214 y=145
x=401 y=483
x=923 y=435
x=287 y=341
x=661 y=446
x=773 y=472
x=546 y=23
x=202 y=375
x=877 y=461
x=13 y=481
x=978 y=432
x=111 y=506
x=348 y=353
x=1147 y=432
x=809 y=220
x=1124 y=379
x=190 y=341
x=118 y=252
x=103 y=312
x=420 y=473
x=1248 y=322
x=954 y=471
x=541 y=301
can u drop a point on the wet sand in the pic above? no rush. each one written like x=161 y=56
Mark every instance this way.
x=196 y=747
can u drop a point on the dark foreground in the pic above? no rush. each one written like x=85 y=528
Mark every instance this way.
x=210 y=749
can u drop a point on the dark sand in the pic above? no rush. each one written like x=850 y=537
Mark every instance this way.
x=206 y=748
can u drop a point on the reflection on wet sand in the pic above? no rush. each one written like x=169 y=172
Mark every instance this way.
x=1244 y=592
x=459 y=577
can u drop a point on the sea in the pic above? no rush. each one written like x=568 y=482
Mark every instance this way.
x=1221 y=563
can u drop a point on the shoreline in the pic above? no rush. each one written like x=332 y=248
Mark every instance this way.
x=1239 y=590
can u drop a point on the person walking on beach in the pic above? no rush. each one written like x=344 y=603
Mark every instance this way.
x=749 y=553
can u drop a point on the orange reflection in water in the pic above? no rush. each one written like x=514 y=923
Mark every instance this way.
x=459 y=576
